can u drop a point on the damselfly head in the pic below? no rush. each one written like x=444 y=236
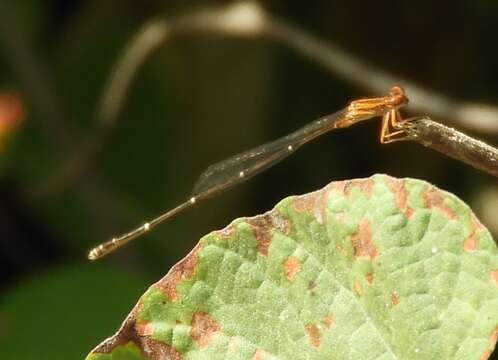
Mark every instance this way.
x=397 y=96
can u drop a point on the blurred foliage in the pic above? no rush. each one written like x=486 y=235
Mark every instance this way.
x=61 y=313
x=199 y=100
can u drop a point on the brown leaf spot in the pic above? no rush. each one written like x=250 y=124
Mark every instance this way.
x=263 y=226
x=203 y=328
x=494 y=276
x=362 y=242
x=291 y=266
x=394 y=298
x=398 y=187
x=314 y=203
x=357 y=287
x=329 y=320
x=433 y=198
x=259 y=355
x=313 y=334
x=364 y=185
x=311 y=285
x=144 y=328
x=471 y=243
x=370 y=278
x=182 y=270
x=157 y=350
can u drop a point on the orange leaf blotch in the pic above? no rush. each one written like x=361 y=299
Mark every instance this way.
x=485 y=355
x=314 y=203
x=183 y=270
x=292 y=267
x=362 y=242
x=263 y=227
x=434 y=199
x=398 y=188
x=494 y=277
x=370 y=278
x=357 y=287
x=203 y=329
x=471 y=243
x=494 y=337
x=366 y=186
x=259 y=355
x=329 y=320
x=339 y=186
x=144 y=328
x=492 y=343
x=394 y=298
x=313 y=334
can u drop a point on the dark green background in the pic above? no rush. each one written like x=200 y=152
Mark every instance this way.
x=200 y=99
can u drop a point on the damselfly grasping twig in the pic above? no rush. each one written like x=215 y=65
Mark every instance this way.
x=238 y=168
x=448 y=141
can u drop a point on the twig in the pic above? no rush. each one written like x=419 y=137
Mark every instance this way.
x=452 y=143
x=247 y=19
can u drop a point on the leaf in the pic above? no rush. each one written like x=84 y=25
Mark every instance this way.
x=376 y=268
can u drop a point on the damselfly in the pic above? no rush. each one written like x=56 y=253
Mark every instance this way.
x=238 y=168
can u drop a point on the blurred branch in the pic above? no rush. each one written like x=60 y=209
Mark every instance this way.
x=40 y=92
x=244 y=19
x=34 y=77
x=248 y=20
x=480 y=117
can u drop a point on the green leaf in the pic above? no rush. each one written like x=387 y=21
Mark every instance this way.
x=377 y=268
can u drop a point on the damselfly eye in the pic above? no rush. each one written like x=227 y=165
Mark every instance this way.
x=397 y=96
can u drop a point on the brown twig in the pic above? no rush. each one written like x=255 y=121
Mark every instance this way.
x=451 y=143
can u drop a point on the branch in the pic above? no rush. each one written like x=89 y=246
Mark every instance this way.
x=451 y=142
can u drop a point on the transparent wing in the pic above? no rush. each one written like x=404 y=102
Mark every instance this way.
x=229 y=172
x=238 y=168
